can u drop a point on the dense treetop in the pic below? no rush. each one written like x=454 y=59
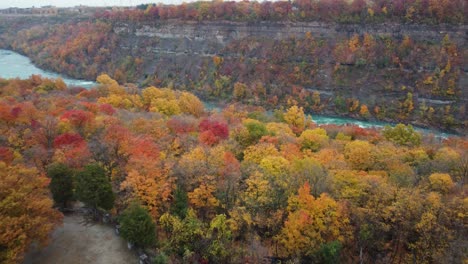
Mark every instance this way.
x=232 y=185
x=240 y=184
x=341 y=11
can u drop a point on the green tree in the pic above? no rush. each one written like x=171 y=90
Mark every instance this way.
x=311 y=171
x=93 y=187
x=251 y=133
x=329 y=253
x=137 y=226
x=61 y=183
x=313 y=139
x=256 y=131
x=402 y=135
x=180 y=205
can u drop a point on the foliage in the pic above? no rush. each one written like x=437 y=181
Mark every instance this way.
x=220 y=236
x=359 y=154
x=61 y=183
x=255 y=131
x=26 y=213
x=213 y=131
x=309 y=170
x=137 y=226
x=203 y=199
x=261 y=189
x=313 y=139
x=330 y=252
x=179 y=206
x=93 y=187
x=402 y=135
x=295 y=117
x=185 y=234
x=311 y=223
x=261 y=71
x=147 y=180
x=322 y=10
x=441 y=182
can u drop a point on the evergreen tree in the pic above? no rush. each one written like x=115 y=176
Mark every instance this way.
x=180 y=204
x=137 y=227
x=61 y=183
x=93 y=187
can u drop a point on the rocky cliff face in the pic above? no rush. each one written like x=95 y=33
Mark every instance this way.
x=224 y=32
x=210 y=38
x=184 y=50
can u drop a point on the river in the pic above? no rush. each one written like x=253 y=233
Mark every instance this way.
x=15 y=65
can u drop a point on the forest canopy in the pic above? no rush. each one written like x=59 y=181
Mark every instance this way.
x=231 y=185
x=340 y=11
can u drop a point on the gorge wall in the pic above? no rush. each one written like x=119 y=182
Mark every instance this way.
x=225 y=31
x=182 y=48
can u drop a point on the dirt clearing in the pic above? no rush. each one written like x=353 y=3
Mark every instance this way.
x=79 y=242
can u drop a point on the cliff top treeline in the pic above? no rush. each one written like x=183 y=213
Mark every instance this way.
x=340 y=11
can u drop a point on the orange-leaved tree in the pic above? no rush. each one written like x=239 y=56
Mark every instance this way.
x=147 y=179
x=26 y=213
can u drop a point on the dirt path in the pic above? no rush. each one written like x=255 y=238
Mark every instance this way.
x=77 y=242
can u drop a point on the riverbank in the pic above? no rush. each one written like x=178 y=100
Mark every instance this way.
x=331 y=119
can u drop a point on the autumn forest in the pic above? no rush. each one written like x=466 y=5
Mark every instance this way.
x=255 y=180
x=397 y=61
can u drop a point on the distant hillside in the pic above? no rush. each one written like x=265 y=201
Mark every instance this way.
x=385 y=69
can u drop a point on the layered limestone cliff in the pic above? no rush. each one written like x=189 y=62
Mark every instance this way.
x=185 y=49
x=210 y=38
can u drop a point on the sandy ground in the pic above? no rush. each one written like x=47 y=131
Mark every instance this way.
x=78 y=242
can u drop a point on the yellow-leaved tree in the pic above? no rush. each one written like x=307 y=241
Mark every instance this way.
x=312 y=223
x=203 y=199
x=295 y=117
x=360 y=154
